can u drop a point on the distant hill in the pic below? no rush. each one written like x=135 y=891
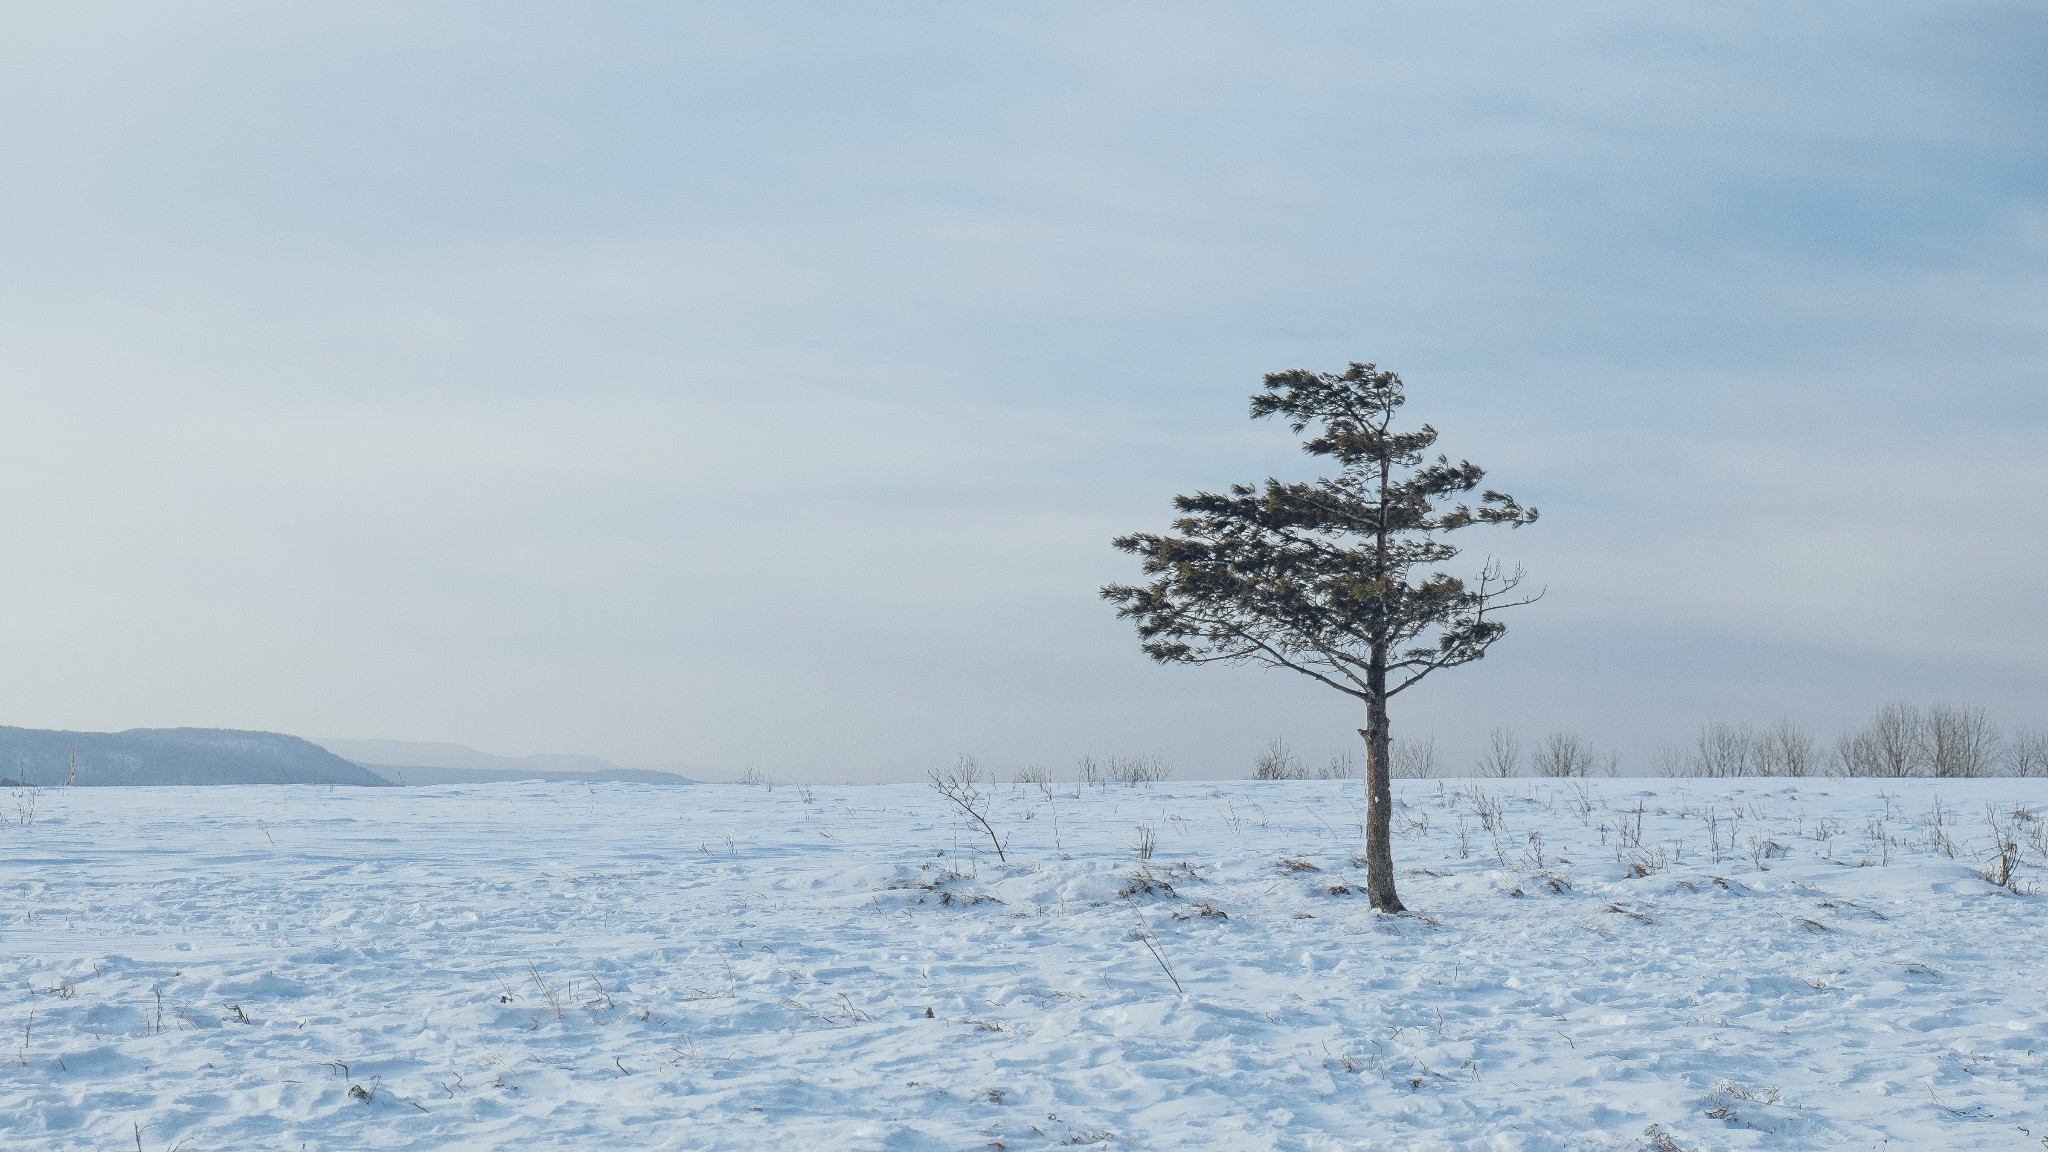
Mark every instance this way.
x=419 y=774
x=412 y=762
x=172 y=756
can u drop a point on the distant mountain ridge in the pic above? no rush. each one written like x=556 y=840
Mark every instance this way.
x=201 y=756
x=165 y=756
x=413 y=775
x=441 y=754
x=411 y=762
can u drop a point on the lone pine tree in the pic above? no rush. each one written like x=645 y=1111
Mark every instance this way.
x=1337 y=578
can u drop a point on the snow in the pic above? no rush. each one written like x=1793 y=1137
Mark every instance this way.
x=570 y=966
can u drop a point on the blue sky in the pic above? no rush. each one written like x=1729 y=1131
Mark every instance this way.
x=761 y=384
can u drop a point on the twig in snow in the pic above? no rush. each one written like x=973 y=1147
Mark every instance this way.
x=547 y=991
x=1144 y=936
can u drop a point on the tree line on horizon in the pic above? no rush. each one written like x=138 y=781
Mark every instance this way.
x=1901 y=741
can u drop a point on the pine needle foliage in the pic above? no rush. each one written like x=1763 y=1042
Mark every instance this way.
x=1337 y=578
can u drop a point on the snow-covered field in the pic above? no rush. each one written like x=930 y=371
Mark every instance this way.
x=1793 y=965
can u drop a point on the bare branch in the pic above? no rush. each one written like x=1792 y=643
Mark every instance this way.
x=961 y=784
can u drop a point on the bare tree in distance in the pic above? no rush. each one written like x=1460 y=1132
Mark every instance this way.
x=1035 y=777
x=1856 y=754
x=1415 y=759
x=1786 y=749
x=1724 y=750
x=2027 y=754
x=1961 y=743
x=1898 y=735
x=1136 y=770
x=1563 y=754
x=1673 y=761
x=1337 y=579
x=1503 y=755
x=1278 y=762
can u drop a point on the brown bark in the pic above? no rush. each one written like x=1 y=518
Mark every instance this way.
x=1379 y=794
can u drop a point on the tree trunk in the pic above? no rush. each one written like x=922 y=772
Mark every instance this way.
x=1379 y=798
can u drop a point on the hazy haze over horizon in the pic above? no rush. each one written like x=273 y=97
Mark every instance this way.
x=761 y=385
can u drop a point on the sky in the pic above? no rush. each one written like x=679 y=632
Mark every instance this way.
x=760 y=385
